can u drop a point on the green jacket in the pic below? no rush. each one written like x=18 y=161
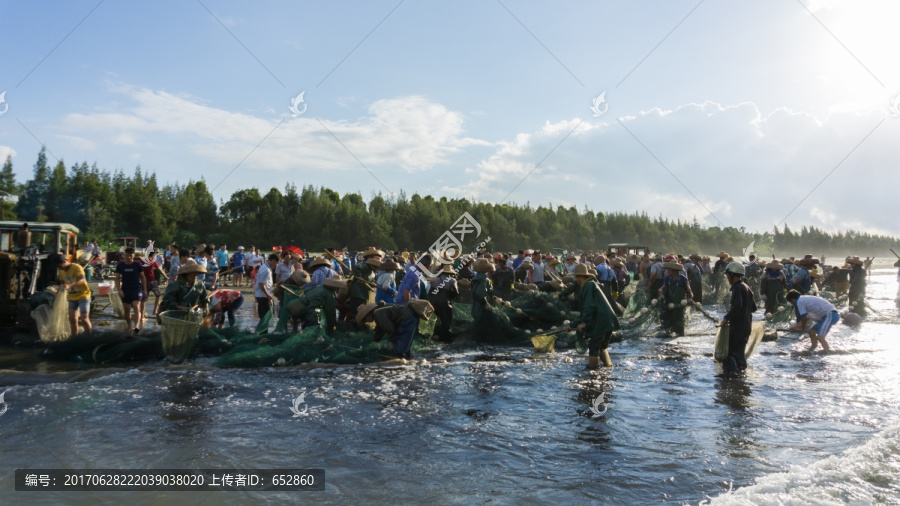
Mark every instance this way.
x=321 y=297
x=358 y=289
x=389 y=318
x=596 y=313
x=482 y=291
x=179 y=293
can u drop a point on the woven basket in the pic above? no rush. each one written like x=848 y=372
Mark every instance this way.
x=179 y=334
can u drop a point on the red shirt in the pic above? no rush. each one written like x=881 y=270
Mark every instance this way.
x=226 y=297
x=149 y=267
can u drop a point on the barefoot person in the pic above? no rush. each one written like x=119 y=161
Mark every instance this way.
x=817 y=309
x=78 y=294
x=132 y=288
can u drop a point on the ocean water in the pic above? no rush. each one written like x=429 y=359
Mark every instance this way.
x=496 y=425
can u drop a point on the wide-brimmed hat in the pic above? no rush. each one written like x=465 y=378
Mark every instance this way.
x=527 y=264
x=319 y=261
x=191 y=268
x=422 y=308
x=371 y=251
x=615 y=262
x=775 y=265
x=335 y=282
x=729 y=259
x=364 y=311
x=695 y=256
x=571 y=257
x=808 y=260
x=299 y=277
x=722 y=254
x=483 y=265
x=447 y=269
x=389 y=265
x=583 y=271
x=786 y=261
x=854 y=261
x=674 y=266
x=553 y=262
x=373 y=262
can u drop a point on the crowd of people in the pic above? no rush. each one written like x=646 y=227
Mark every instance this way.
x=396 y=289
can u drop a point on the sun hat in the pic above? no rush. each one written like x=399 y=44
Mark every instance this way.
x=583 y=271
x=483 y=265
x=371 y=251
x=335 y=282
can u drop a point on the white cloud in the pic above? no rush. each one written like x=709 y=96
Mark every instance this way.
x=411 y=133
x=6 y=151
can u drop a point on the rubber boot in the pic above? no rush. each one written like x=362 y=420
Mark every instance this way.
x=593 y=362
x=604 y=357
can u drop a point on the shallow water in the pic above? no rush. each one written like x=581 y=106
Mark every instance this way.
x=498 y=425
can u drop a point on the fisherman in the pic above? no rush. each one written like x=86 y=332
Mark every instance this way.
x=772 y=286
x=263 y=289
x=319 y=270
x=606 y=278
x=867 y=265
x=441 y=294
x=503 y=278
x=186 y=292
x=411 y=287
x=225 y=302
x=802 y=281
x=857 y=294
x=596 y=321
x=399 y=322
x=570 y=263
x=386 y=286
x=655 y=275
x=790 y=269
x=78 y=294
x=482 y=289
x=721 y=264
x=644 y=267
x=695 y=276
x=754 y=271
x=817 y=309
x=523 y=272
x=675 y=289
x=319 y=297
x=738 y=318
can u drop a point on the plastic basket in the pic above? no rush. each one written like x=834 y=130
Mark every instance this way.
x=179 y=334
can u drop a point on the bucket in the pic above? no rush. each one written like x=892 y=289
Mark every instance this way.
x=179 y=334
x=103 y=289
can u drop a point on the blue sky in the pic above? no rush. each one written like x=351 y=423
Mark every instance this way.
x=749 y=105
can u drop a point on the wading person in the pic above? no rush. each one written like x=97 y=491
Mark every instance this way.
x=131 y=285
x=502 y=278
x=321 y=298
x=225 y=302
x=385 y=281
x=186 y=292
x=482 y=289
x=411 y=287
x=78 y=294
x=695 y=276
x=817 y=309
x=441 y=294
x=857 y=293
x=772 y=286
x=263 y=288
x=738 y=319
x=399 y=323
x=675 y=289
x=597 y=321
x=362 y=285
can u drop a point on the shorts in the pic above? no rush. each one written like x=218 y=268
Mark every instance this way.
x=825 y=325
x=153 y=287
x=238 y=270
x=132 y=296
x=83 y=305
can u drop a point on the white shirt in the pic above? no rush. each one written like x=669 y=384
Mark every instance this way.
x=264 y=276
x=537 y=275
x=814 y=308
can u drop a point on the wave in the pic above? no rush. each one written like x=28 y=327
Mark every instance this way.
x=866 y=474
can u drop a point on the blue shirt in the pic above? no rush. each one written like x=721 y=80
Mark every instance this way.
x=604 y=273
x=802 y=279
x=319 y=276
x=238 y=259
x=410 y=282
x=517 y=262
x=222 y=258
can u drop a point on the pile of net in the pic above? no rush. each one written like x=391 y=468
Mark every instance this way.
x=120 y=346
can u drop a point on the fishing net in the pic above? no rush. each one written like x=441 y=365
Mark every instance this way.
x=53 y=319
x=179 y=333
x=291 y=293
x=715 y=288
x=264 y=322
x=117 y=305
x=312 y=345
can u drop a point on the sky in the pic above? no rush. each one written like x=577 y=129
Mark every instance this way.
x=744 y=114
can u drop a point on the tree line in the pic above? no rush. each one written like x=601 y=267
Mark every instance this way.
x=105 y=205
